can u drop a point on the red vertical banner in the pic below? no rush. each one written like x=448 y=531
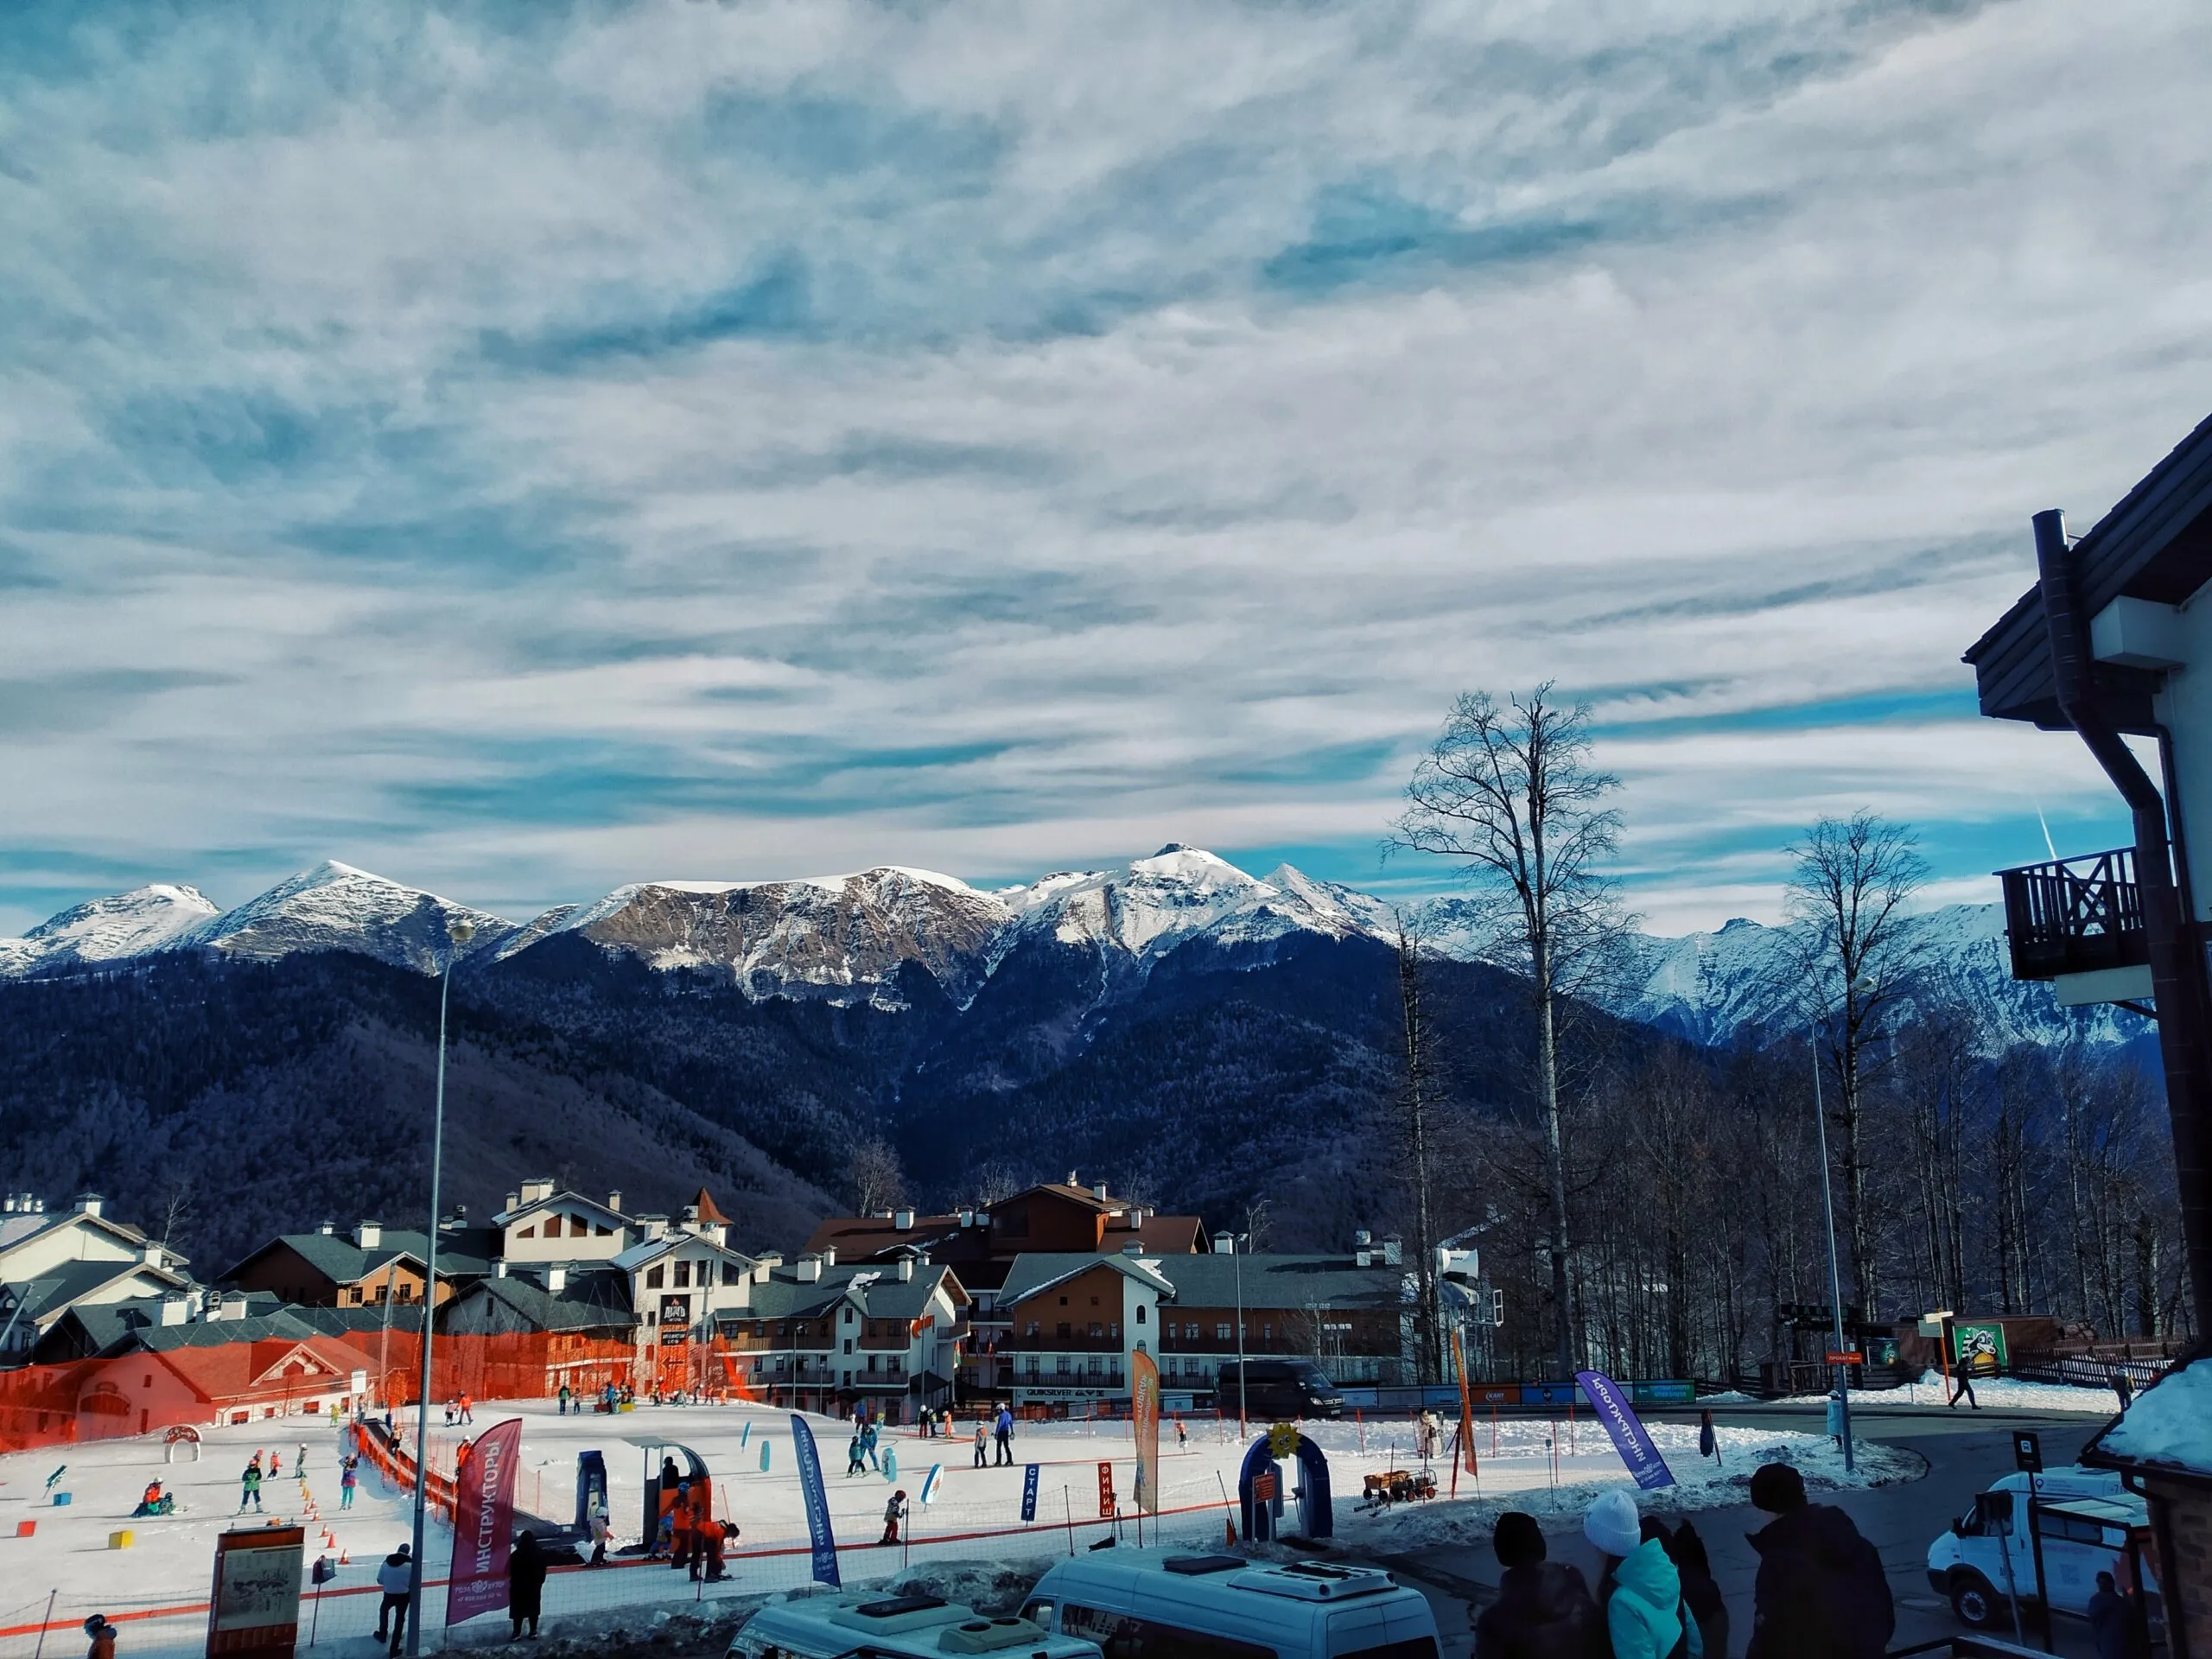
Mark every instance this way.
x=484 y=1523
x=1144 y=1412
x=1106 y=1499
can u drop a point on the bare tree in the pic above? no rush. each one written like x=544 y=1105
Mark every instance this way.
x=1416 y=1104
x=877 y=1179
x=1852 y=879
x=1509 y=793
x=177 y=1208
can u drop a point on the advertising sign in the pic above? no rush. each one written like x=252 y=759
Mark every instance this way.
x=1466 y=1410
x=1105 y=1492
x=1980 y=1348
x=254 y=1607
x=1144 y=1412
x=1630 y=1437
x=818 y=1503
x=484 y=1523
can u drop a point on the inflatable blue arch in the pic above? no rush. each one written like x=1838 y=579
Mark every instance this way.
x=1316 y=1515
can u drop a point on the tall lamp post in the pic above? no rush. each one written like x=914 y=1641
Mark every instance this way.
x=458 y=933
x=1836 y=1275
x=1237 y=1241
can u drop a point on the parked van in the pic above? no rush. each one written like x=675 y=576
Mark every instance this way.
x=2086 y=1518
x=1156 y=1604
x=1281 y=1390
x=910 y=1627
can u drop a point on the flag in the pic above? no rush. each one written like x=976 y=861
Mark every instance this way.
x=484 y=1523
x=1466 y=1409
x=928 y=1482
x=1144 y=1411
x=818 y=1503
x=1630 y=1437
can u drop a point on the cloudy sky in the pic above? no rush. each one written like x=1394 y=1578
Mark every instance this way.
x=521 y=450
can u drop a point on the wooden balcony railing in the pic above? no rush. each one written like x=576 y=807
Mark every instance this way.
x=2075 y=916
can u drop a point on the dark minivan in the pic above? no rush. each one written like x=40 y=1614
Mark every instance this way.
x=1280 y=1389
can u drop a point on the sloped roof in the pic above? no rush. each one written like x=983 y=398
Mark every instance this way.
x=47 y=1295
x=705 y=1204
x=1285 y=1282
x=652 y=1249
x=587 y=1301
x=247 y=1363
x=1038 y=1270
x=463 y=1252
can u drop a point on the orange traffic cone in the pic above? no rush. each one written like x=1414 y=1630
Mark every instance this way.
x=344 y=1560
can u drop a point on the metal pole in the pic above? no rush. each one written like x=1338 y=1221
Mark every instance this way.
x=460 y=931
x=1835 y=1276
x=1236 y=1249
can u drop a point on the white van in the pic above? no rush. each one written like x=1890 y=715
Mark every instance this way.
x=1159 y=1604
x=909 y=1627
x=2085 y=1520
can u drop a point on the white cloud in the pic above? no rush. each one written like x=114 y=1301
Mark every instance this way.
x=726 y=440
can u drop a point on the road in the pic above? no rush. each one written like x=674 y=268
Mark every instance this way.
x=1964 y=1451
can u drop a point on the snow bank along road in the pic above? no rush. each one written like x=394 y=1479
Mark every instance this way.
x=156 y=1588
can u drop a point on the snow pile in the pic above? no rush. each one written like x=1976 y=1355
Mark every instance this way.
x=2171 y=1421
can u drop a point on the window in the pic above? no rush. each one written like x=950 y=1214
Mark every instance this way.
x=848 y=1314
x=1221 y=1332
x=1097 y=1330
x=552 y=1226
x=683 y=1276
x=1061 y=1365
x=527 y=1232
x=1124 y=1635
x=731 y=1275
x=578 y=1227
x=849 y=1345
x=871 y=1362
x=1066 y=1331
x=1267 y=1332
x=1140 y=1312
x=654 y=1278
x=604 y=1232
x=1033 y=1329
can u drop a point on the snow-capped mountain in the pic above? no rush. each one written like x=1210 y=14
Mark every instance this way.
x=337 y=907
x=1710 y=987
x=106 y=930
x=850 y=939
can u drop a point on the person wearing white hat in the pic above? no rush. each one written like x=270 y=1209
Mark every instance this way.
x=1641 y=1591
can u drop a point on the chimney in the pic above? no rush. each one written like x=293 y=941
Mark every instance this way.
x=8 y=1205
x=615 y=1201
x=1071 y=1179
x=966 y=1218
x=175 y=1310
x=500 y=1267
x=1098 y=1190
x=556 y=1281
x=905 y=1267
x=540 y=1187
x=1363 y=1258
x=514 y=1202
x=830 y=1256
x=368 y=1234
x=1135 y=1247
x=89 y=1204
x=809 y=1269
x=231 y=1306
x=902 y=1219
x=1393 y=1253
x=1362 y=1239
x=326 y=1228
x=761 y=1273
x=1224 y=1243
x=152 y=1255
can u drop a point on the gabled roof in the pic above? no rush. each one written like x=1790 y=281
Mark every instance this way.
x=709 y=1214
x=651 y=1250
x=24 y=1225
x=563 y=1201
x=46 y=1296
x=1036 y=1271
x=250 y=1362
x=463 y=1253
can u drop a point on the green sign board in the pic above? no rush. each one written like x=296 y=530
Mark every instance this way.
x=1979 y=1347
x=1661 y=1394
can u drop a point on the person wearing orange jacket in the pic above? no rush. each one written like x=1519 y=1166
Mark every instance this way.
x=682 y=1522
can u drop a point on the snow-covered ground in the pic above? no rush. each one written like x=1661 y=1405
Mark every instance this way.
x=1531 y=1463
x=2005 y=1393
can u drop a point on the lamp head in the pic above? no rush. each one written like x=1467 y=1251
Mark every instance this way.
x=461 y=931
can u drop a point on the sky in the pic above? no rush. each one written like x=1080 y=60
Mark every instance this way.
x=521 y=449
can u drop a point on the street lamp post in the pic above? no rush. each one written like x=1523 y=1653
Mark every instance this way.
x=1836 y=1275
x=1237 y=1246
x=459 y=933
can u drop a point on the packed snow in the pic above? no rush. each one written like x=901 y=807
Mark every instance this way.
x=2170 y=1422
x=1548 y=1467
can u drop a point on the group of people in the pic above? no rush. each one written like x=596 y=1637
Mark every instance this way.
x=690 y=1537
x=459 y=1411
x=1821 y=1589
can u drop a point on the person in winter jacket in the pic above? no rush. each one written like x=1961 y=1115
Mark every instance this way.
x=1640 y=1592
x=525 y=1584
x=856 y=1456
x=250 y=1485
x=867 y=1444
x=349 y=1476
x=2108 y=1620
x=893 y=1513
x=1700 y=1594
x=1543 y=1609
x=1821 y=1593
x=394 y=1574
x=600 y=1532
x=982 y=1445
x=103 y=1637
x=1004 y=1427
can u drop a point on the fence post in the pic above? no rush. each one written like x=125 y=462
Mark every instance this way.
x=45 y=1621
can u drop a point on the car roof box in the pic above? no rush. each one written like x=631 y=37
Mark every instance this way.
x=1315 y=1581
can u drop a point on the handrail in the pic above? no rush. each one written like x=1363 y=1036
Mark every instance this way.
x=2074 y=915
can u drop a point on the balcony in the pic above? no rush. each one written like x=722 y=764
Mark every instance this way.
x=2078 y=916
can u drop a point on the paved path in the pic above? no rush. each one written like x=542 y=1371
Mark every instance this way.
x=1964 y=1451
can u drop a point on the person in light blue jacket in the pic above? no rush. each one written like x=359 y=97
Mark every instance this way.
x=1641 y=1591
